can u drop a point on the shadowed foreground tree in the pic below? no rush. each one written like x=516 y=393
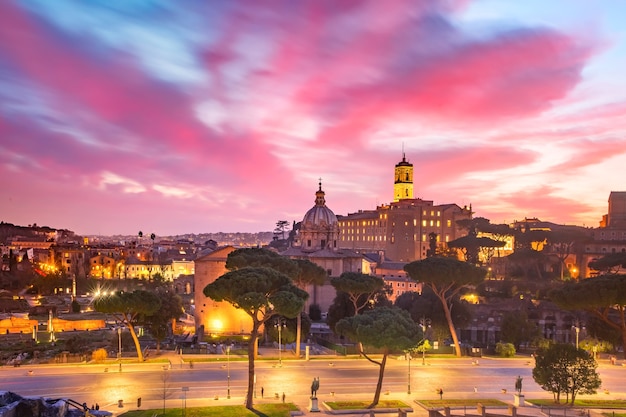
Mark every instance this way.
x=355 y=293
x=446 y=277
x=563 y=368
x=609 y=264
x=262 y=293
x=388 y=328
x=517 y=329
x=427 y=306
x=301 y=271
x=161 y=322
x=127 y=308
x=253 y=257
x=603 y=297
x=359 y=288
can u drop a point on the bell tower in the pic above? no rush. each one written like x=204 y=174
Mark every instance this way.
x=403 y=183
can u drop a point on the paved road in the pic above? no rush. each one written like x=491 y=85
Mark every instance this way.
x=210 y=382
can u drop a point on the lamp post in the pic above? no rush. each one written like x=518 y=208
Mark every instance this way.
x=408 y=391
x=119 y=343
x=279 y=325
x=577 y=329
x=228 y=371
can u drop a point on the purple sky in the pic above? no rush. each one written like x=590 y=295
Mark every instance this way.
x=204 y=116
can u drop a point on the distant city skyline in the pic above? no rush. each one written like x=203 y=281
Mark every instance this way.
x=221 y=116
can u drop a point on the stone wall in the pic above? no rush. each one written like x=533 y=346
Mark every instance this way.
x=17 y=325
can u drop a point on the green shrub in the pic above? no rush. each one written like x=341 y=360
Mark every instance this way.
x=506 y=350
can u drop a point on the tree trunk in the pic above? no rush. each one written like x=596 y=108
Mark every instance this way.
x=131 y=328
x=379 y=384
x=254 y=336
x=448 y=314
x=298 y=334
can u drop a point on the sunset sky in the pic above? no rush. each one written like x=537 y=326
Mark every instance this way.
x=189 y=116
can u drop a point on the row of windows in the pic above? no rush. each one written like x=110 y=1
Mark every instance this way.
x=409 y=284
x=614 y=235
x=357 y=231
x=365 y=238
x=431 y=223
x=356 y=223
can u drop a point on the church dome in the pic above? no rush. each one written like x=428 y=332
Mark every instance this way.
x=320 y=215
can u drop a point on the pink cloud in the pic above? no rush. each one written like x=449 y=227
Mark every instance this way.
x=343 y=70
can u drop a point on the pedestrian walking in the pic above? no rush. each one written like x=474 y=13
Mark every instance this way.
x=283 y=397
x=262 y=391
x=440 y=393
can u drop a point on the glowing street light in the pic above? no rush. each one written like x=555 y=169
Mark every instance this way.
x=280 y=324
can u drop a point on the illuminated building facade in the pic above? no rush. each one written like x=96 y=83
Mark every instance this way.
x=403 y=227
x=609 y=238
x=213 y=317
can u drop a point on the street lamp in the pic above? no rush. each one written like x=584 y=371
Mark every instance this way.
x=577 y=333
x=228 y=370
x=119 y=343
x=280 y=324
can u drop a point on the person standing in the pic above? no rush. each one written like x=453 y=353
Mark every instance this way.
x=262 y=391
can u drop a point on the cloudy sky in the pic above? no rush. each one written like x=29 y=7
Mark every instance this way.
x=203 y=116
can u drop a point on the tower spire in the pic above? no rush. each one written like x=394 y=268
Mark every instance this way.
x=403 y=183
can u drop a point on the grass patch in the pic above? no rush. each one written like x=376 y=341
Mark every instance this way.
x=360 y=405
x=589 y=403
x=461 y=402
x=264 y=410
x=614 y=414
